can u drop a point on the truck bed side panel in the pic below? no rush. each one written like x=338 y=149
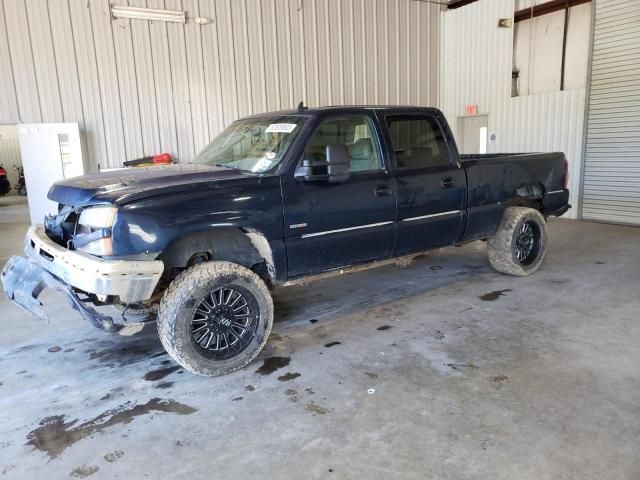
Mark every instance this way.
x=494 y=180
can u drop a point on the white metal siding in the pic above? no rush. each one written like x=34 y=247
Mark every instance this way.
x=476 y=61
x=612 y=155
x=138 y=87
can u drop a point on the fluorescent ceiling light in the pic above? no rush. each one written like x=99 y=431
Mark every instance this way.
x=119 y=11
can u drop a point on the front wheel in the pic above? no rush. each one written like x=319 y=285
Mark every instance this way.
x=215 y=318
x=520 y=243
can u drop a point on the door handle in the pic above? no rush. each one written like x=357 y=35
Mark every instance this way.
x=383 y=190
x=447 y=182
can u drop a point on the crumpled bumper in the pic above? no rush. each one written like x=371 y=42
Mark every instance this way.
x=48 y=265
x=23 y=282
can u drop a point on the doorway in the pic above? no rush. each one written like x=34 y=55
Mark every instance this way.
x=474 y=133
x=10 y=158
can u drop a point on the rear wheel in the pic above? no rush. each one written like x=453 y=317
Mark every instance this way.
x=215 y=318
x=520 y=243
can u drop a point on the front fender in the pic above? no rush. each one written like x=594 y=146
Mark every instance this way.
x=229 y=244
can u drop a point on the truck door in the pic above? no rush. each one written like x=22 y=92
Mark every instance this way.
x=331 y=225
x=430 y=187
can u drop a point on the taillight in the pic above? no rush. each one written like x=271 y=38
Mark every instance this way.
x=565 y=181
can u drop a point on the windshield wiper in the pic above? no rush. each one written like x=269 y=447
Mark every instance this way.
x=224 y=165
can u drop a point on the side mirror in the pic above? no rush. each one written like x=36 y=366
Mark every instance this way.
x=334 y=169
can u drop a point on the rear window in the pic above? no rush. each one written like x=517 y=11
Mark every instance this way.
x=418 y=142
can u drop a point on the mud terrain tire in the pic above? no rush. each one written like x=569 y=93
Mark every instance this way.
x=520 y=243
x=208 y=298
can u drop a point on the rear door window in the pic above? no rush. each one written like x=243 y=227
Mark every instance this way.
x=418 y=142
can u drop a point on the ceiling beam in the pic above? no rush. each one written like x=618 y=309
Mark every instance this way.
x=458 y=3
x=545 y=8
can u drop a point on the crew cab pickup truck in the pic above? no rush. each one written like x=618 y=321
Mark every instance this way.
x=275 y=199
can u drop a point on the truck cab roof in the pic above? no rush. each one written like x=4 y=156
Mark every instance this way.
x=347 y=109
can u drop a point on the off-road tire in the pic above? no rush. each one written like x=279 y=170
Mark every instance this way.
x=501 y=248
x=183 y=296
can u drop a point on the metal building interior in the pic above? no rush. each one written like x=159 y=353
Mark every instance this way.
x=438 y=367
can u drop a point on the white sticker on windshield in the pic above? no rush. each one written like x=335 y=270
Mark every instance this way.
x=281 y=128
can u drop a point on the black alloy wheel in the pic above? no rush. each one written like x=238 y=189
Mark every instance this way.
x=224 y=323
x=527 y=243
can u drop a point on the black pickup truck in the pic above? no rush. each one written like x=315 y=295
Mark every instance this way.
x=276 y=199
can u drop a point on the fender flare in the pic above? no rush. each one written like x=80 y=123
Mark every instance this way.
x=245 y=246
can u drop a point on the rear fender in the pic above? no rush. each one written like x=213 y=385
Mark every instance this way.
x=527 y=196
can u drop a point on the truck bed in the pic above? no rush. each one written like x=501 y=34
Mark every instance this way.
x=493 y=178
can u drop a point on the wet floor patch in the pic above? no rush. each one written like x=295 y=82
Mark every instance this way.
x=492 y=296
x=315 y=409
x=112 y=393
x=25 y=348
x=113 y=456
x=384 y=327
x=288 y=376
x=275 y=337
x=54 y=434
x=249 y=388
x=236 y=399
x=499 y=380
x=160 y=373
x=272 y=364
x=459 y=367
x=54 y=349
x=164 y=385
x=331 y=344
x=84 y=471
x=133 y=351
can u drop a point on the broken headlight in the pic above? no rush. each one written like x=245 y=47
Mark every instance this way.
x=93 y=231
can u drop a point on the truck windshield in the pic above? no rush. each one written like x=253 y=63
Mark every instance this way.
x=253 y=144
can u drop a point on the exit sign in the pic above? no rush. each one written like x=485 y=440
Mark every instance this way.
x=471 y=109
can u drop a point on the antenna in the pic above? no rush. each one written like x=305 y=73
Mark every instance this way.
x=301 y=106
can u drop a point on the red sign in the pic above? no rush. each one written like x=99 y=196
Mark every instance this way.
x=472 y=109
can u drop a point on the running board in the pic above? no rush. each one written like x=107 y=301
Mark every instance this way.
x=402 y=262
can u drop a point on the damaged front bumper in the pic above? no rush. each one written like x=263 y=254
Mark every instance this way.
x=48 y=265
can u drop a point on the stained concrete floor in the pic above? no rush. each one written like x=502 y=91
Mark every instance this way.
x=443 y=369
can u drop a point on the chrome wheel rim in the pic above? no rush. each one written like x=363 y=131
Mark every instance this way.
x=527 y=243
x=224 y=322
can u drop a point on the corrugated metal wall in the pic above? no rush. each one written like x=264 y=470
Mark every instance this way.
x=139 y=87
x=612 y=157
x=476 y=63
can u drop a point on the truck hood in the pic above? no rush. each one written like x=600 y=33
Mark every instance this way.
x=122 y=186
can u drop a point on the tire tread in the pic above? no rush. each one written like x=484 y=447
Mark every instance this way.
x=499 y=247
x=178 y=293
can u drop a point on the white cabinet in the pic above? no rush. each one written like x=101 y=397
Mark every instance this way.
x=50 y=152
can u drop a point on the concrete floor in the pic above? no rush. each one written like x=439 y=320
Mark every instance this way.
x=443 y=369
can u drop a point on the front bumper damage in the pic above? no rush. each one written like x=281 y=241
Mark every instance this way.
x=48 y=265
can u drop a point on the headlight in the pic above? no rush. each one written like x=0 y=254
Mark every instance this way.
x=93 y=233
x=98 y=217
